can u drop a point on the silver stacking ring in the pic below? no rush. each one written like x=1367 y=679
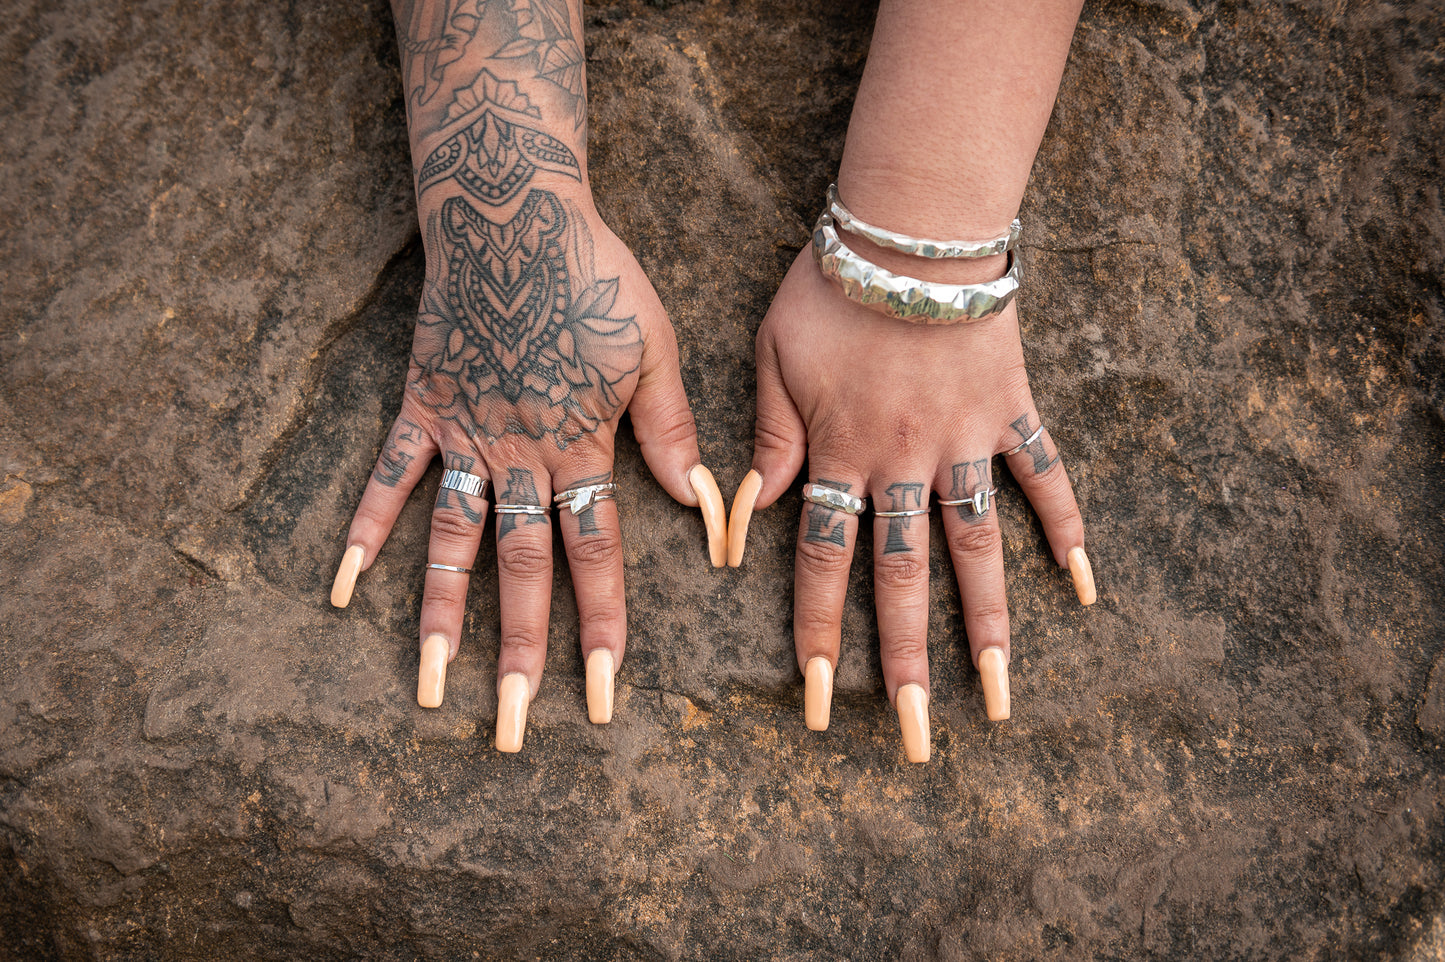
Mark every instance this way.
x=471 y=484
x=833 y=498
x=465 y=571
x=578 y=500
x=1032 y=438
x=979 y=501
x=521 y=508
x=911 y=513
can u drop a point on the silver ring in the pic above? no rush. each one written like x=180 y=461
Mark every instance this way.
x=979 y=501
x=521 y=508
x=471 y=484
x=1032 y=438
x=918 y=246
x=465 y=571
x=913 y=513
x=582 y=499
x=833 y=498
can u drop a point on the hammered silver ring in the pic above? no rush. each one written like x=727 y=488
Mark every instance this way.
x=580 y=499
x=470 y=484
x=821 y=494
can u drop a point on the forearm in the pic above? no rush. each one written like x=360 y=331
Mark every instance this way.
x=949 y=115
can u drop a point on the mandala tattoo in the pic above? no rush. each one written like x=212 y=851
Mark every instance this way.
x=968 y=478
x=904 y=496
x=821 y=526
x=1038 y=450
x=516 y=337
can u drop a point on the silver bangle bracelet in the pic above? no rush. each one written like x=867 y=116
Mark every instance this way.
x=908 y=298
x=919 y=246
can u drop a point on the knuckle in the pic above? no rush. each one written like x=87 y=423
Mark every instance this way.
x=450 y=527
x=602 y=623
x=974 y=539
x=909 y=648
x=524 y=562
x=900 y=572
x=813 y=622
x=595 y=550
x=522 y=640
x=823 y=559
x=445 y=594
x=988 y=623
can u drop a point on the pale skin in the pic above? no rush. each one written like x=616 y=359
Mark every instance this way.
x=948 y=118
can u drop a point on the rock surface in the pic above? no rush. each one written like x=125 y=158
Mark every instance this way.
x=1234 y=319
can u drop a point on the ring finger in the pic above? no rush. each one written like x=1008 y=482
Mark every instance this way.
x=456 y=534
x=524 y=583
x=900 y=589
x=970 y=522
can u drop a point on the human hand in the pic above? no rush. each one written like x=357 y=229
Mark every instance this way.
x=537 y=330
x=895 y=411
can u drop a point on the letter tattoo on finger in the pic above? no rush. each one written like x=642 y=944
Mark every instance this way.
x=521 y=489
x=395 y=458
x=1037 y=449
x=970 y=477
x=903 y=496
x=464 y=502
x=822 y=529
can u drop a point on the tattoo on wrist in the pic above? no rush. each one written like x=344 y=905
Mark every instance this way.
x=395 y=458
x=521 y=489
x=464 y=502
x=903 y=496
x=969 y=477
x=822 y=528
x=1037 y=450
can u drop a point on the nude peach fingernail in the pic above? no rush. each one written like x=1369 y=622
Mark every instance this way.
x=1083 y=574
x=913 y=722
x=993 y=669
x=817 y=693
x=431 y=679
x=600 y=672
x=346 y=573
x=709 y=498
x=742 y=513
x=513 y=696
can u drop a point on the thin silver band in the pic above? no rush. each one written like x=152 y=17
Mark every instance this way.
x=578 y=500
x=901 y=514
x=471 y=484
x=437 y=567
x=827 y=497
x=521 y=508
x=979 y=501
x=1032 y=438
x=908 y=298
x=919 y=246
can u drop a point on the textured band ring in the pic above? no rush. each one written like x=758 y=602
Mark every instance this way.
x=979 y=501
x=833 y=498
x=471 y=484
x=521 y=508
x=913 y=513
x=918 y=246
x=908 y=298
x=578 y=500
x=465 y=571
x=1032 y=438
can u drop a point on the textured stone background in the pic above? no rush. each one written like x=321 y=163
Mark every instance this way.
x=1235 y=326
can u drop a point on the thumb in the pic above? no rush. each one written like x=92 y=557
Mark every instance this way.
x=663 y=424
x=780 y=442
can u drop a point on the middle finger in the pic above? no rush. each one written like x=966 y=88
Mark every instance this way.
x=900 y=589
x=524 y=584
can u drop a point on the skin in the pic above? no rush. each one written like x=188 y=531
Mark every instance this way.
x=537 y=329
x=890 y=410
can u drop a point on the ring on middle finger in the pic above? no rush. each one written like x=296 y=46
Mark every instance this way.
x=521 y=508
x=910 y=513
x=833 y=498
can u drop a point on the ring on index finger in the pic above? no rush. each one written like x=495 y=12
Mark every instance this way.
x=833 y=498
x=468 y=484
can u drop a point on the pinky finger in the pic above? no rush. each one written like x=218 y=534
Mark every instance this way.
x=1035 y=463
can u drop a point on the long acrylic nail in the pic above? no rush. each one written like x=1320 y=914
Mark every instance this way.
x=599 y=686
x=431 y=681
x=817 y=693
x=1083 y=573
x=346 y=573
x=709 y=498
x=993 y=669
x=742 y=513
x=512 y=699
x=913 y=722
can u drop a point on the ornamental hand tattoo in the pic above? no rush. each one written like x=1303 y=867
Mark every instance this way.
x=516 y=336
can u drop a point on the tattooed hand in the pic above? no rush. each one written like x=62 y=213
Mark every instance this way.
x=536 y=331
x=895 y=411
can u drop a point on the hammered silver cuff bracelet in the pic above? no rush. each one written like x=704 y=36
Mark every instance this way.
x=909 y=298
x=919 y=246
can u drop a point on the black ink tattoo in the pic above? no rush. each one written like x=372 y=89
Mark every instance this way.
x=1038 y=450
x=517 y=337
x=521 y=489
x=391 y=466
x=544 y=30
x=433 y=36
x=968 y=478
x=587 y=521
x=903 y=496
x=821 y=527
x=446 y=496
